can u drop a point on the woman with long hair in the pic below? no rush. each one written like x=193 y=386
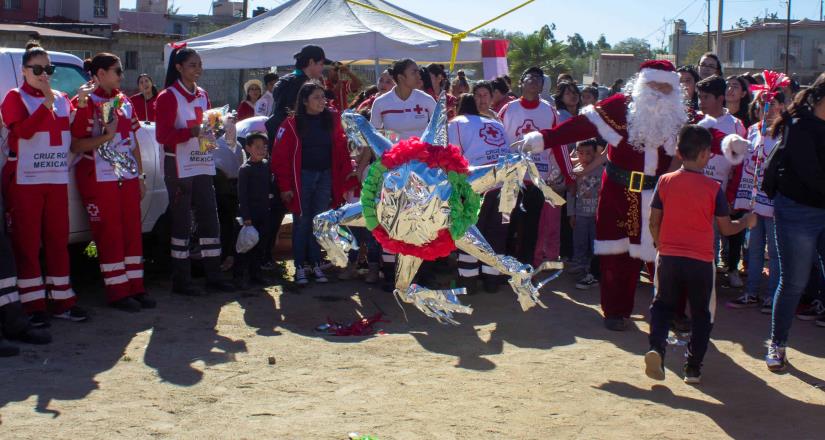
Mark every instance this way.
x=738 y=98
x=438 y=83
x=313 y=173
x=483 y=95
x=568 y=100
x=144 y=100
x=688 y=77
x=189 y=168
x=35 y=188
x=385 y=84
x=112 y=196
x=799 y=210
x=253 y=90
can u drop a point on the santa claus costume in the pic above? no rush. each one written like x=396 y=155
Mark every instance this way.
x=35 y=182
x=640 y=127
x=112 y=200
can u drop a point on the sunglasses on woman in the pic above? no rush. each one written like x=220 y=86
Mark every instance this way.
x=38 y=69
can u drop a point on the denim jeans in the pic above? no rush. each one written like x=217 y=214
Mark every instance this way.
x=761 y=234
x=584 y=233
x=316 y=194
x=800 y=236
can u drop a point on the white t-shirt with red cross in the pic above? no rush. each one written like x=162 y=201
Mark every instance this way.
x=521 y=117
x=719 y=167
x=481 y=139
x=407 y=117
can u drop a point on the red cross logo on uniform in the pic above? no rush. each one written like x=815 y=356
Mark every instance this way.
x=418 y=109
x=61 y=124
x=491 y=135
x=198 y=118
x=93 y=210
x=526 y=127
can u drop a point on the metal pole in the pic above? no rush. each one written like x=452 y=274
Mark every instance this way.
x=788 y=41
x=719 y=31
x=708 y=6
x=245 y=8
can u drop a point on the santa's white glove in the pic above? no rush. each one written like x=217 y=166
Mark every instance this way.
x=734 y=148
x=532 y=142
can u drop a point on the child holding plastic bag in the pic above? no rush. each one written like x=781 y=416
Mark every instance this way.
x=255 y=189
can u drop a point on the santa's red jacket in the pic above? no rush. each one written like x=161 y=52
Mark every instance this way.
x=623 y=214
x=286 y=162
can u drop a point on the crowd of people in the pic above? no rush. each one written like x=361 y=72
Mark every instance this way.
x=651 y=174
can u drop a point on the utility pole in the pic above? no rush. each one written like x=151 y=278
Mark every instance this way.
x=821 y=6
x=677 y=31
x=708 y=7
x=719 y=30
x=788 y=41
x=245 y=8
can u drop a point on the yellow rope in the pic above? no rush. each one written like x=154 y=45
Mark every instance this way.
x=455 y=38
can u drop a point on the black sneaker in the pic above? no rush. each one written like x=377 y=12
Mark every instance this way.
x=36 y=336
x=127 y=304
x=655 y=365
x=145 y=301
x=615 y=324
x=587 y=282
x=693 y=374
x=40 y=320
x=7 y=350
x=75 y=314
x=219 y=286
x=188 y=291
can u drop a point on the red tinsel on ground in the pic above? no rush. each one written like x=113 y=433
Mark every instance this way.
x=440 y=247
x=362 y=327
x=447 y=158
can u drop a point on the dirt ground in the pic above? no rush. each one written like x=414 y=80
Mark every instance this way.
x=200 y=369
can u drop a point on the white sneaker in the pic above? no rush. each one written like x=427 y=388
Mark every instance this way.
x=319 y=274
x=300 y=276
x=735 y=280
x=776 y=359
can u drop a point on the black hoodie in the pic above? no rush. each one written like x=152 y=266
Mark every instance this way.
x=803 y=177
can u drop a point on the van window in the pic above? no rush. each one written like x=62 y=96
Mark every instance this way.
x=67 y=78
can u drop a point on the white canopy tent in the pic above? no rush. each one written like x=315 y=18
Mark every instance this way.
x=347 y=33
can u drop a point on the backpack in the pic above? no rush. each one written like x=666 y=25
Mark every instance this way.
x=775 y=164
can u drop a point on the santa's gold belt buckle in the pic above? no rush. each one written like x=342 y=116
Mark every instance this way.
x=637 y=181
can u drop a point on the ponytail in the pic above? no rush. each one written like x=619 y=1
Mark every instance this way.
x=803 y=104
x=103 y=60
x=178 y=56
x=33 y=49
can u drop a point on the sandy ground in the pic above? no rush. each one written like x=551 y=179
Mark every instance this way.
x=200 y=369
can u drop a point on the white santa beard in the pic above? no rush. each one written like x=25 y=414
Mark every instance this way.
x=654 y=119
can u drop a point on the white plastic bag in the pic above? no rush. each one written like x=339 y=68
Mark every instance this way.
x=247 y=239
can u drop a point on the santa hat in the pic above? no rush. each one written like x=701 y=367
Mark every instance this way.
x=659 y=71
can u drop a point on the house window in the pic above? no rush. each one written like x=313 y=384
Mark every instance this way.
x=100 y=8
x=131 y=61
x=795 y=51
x=11 y=4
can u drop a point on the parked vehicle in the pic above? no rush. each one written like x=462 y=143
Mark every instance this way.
x=68 y=76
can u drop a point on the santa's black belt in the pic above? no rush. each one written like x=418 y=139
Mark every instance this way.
x=635 y=181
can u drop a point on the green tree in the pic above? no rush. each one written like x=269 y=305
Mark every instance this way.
x=602 y=43
x=638 y=47
x=576 y=46
x=741 y=23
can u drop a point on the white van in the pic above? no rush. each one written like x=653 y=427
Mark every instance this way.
x=68 y=76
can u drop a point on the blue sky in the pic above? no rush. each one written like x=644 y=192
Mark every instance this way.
x=636 y=18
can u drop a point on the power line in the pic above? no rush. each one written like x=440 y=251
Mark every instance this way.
x=659 y=29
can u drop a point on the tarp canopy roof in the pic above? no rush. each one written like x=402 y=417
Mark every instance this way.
x=346 y=32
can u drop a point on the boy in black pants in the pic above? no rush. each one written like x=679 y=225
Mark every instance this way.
x=683 y=208
x=255 y=191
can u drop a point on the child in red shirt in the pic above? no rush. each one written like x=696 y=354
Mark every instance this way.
x=683 y=209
